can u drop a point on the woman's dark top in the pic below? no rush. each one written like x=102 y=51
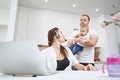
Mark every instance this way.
x=62 y=64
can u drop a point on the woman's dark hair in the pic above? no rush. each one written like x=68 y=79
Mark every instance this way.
x=86 y=16
x=51 y=34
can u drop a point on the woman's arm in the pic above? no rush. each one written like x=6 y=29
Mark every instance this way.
x=89 y=67
x=80 y=67
x=76 y=64
x=69 y=42
x=74 y=61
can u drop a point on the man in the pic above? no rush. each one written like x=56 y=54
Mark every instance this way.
x=86 y=57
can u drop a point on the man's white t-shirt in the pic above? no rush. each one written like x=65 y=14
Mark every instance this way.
x=87 y=55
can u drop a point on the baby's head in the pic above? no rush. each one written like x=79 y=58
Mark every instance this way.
x=83 y=31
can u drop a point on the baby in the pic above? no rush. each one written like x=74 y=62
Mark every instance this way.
x=84 y=36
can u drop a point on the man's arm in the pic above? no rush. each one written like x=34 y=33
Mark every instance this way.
x=90 y=43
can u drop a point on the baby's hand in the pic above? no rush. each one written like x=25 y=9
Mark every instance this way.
x=78 y=53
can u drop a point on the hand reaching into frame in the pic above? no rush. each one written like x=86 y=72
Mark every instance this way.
x=90 y=67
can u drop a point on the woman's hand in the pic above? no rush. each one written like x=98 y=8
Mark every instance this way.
x=90 y=67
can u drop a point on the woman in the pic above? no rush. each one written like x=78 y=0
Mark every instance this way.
x=58 y=57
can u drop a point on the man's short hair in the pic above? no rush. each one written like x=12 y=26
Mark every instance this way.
x=86 y=16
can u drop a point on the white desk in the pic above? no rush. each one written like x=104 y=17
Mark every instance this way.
x=65 y=75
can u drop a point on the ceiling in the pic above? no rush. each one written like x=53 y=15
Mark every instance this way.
x=66 y=6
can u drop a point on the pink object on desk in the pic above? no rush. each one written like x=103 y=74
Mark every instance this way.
x=112 y=65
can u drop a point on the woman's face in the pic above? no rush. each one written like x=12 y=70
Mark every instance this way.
x=62 y=38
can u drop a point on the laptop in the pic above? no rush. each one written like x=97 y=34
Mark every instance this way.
x=21 y=57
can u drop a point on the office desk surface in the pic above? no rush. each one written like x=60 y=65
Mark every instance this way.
x=64 y=75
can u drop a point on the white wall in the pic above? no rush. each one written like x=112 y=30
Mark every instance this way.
x=112 y=37
x=102 y=41
x=4 y=17
x=3 y=35
x=118 y=33
x=35 y=23
x=118 y=36
x=22 y=26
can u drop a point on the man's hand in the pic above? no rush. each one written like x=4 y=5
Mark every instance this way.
x=79 y=40
x=77 y=35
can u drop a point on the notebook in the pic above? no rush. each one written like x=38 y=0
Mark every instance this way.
x=21 y=57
